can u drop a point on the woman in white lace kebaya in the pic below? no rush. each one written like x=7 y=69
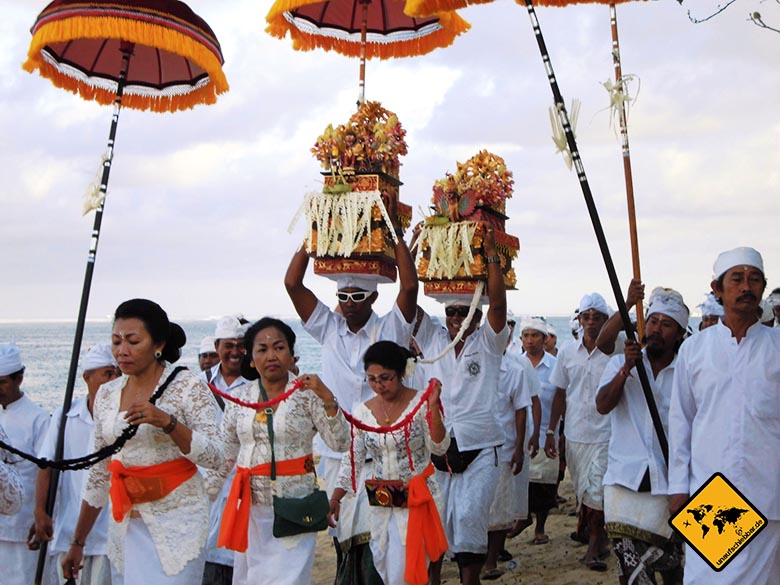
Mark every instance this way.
x=385 y=365
x=10 y=484
x=159 y=503
x=296 y=419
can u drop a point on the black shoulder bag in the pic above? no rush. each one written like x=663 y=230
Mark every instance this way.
x=294 y=515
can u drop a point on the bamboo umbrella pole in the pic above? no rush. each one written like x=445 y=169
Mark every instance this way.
x=596 y=221
x=127 y=51
x=629 y=178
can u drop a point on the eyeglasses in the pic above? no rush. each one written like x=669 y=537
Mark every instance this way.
x=355 y=297
x=383 y=379
x=459 y=311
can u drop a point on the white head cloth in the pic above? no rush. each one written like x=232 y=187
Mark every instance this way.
x=97 y=356
x=10 y=359
x=774 y=299
x=596 y=302
x=352 y=281
x=711 y=307
x=229 y=328
x=669 y=302
x=766 y=312
x=737 y=257
x=535 y=323
x=510 y=316
x=551 y=330
x=206 y=345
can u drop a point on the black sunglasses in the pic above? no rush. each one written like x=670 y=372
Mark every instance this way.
x=355 y=297
x=459 y=311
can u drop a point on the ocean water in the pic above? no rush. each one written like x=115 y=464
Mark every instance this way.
x=46 y=351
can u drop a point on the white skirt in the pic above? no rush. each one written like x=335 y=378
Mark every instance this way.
x=270 y=560
x=587 y=464
x=142 y=563
x=511 y=500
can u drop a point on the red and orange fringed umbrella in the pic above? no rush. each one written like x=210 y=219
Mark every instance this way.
x=362 y=28
x=144 y=54
x=174 y=60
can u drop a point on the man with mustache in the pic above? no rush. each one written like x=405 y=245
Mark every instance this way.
x=636 y=479
x=725 y=416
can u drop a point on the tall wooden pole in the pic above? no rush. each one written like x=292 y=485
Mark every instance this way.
x=621 y=109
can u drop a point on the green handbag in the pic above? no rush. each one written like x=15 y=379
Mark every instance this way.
x=295 y=515
x=301 y=515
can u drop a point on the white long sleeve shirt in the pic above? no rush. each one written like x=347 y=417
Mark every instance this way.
x=579 y=373
x=25 y=423
x=78 y=442
x=633 y=445
x=725 y=414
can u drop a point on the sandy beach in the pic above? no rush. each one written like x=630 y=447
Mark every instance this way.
x=554 y=563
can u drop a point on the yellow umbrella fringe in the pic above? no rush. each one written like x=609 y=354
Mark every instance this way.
x=135 y=32
x=452 y=26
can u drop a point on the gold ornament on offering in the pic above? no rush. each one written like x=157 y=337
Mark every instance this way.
x=450 y=246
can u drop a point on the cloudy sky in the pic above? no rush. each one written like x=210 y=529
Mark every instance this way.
x=200 y=201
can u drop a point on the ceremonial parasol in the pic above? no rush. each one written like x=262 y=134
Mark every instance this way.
x=145 y=54
x=423 y=7
x=362 y=28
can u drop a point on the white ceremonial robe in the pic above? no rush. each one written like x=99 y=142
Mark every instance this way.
x=725 y=417
x=25 y=424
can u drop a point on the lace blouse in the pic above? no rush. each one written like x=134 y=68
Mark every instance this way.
x=179 y=522
x=391 y=461
x=11 y=493
x=296 y=420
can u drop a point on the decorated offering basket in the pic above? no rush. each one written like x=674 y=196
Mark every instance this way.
x=350 y=229
x=450 y=254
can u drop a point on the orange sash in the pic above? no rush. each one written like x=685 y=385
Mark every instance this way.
x=424 y=532
x=235 y=519
x=136 y=485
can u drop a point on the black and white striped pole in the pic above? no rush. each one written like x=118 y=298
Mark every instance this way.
x=127 y=51
x=594 y=218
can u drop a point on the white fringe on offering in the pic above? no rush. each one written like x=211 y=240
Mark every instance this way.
x=342 y=220
x=93 y=198
x=450 y=248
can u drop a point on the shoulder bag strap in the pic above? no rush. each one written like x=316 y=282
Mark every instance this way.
x=269 y=419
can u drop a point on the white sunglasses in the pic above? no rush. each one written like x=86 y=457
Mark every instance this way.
x=355 y=297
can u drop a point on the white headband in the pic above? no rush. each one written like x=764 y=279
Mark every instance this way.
x=207 y=345
x=10 y=359
x=737 y=257
x=353 y=281
x=669 y=302
x=97 y=356
x=229 y=328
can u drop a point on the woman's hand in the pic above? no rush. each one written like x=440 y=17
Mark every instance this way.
x=333 y=513
x=144 y=412
x=434 y=398
x=315 y=384
x=73 y=561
